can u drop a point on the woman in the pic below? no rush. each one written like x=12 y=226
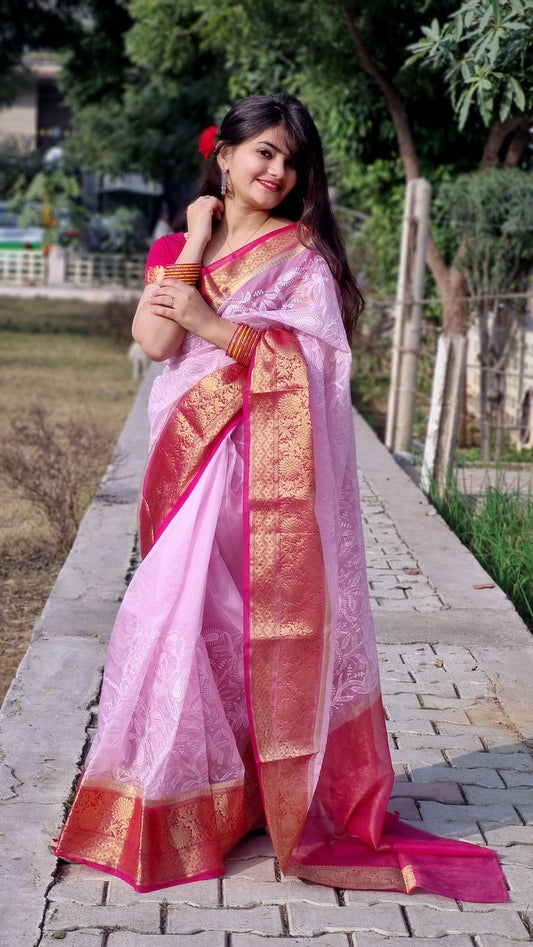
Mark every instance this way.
x=241 y=686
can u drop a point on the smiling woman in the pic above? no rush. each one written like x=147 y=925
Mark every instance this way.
x=241 y=687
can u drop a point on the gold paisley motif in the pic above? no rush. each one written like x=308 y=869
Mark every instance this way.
x=409 y=878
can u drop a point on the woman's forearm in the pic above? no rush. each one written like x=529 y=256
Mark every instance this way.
x=158 y=337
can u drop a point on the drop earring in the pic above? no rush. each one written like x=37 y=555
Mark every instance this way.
x=223 y=183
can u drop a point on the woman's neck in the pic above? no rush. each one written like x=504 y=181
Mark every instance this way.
x=239 y=227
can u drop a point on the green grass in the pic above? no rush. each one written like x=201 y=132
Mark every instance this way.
x=498 y=529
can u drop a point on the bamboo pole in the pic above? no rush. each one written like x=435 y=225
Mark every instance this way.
x=448 y=383
x=408 y=316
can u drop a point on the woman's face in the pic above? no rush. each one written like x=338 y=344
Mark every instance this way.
x=261 y=172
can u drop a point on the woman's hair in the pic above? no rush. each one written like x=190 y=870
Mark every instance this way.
x=308 y=202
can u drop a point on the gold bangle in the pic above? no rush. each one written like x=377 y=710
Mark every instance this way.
x=186 y=272
x=242 y=344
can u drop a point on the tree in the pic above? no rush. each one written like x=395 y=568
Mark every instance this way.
x=468 y=25
x=345 y=61
x=143 y=108
x=188 y=59
x=486 y=53
x=18 y=159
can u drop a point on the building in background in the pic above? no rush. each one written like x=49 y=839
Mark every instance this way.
x=38 y=118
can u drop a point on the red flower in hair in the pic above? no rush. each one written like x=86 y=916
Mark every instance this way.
x=207 y=141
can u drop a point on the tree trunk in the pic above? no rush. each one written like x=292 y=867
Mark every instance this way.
x=451 y=284
x=453 y=292
x=406 y=145
x=499 y=131
x=518 y=144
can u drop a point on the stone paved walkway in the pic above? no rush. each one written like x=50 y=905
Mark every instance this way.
x=456 y=665
x=462 y=771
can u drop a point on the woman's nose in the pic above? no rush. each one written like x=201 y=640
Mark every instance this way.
x=277 y=166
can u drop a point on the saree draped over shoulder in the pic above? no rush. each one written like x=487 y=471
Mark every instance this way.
x=241 y=687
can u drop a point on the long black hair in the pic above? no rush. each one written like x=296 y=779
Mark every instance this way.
x=308 y=202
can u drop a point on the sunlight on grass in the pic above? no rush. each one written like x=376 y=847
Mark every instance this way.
x=497 y=527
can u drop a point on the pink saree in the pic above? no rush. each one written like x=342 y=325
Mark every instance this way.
x=241 y=686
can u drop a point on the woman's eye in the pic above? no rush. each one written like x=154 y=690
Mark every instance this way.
x=264 y=153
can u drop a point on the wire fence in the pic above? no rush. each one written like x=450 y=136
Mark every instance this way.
x=499 y=376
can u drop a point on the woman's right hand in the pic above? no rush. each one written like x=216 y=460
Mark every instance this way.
x=200 y=216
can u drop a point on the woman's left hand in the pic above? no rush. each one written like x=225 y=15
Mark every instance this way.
x=183 y=304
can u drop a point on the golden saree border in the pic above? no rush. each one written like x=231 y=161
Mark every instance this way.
x=224 y=277
x=153 y=844
x=186 y=443
x=286 y=635
x=354 y=877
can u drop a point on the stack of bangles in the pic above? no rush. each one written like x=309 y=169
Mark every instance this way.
x=242 y=344
x=186 y=272
x=244 y=339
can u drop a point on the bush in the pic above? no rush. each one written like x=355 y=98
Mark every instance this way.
x=113 y=320
x=57 y=466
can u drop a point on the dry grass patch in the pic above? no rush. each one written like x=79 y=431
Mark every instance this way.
x=49 y=359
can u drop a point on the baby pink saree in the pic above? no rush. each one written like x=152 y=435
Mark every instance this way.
x=241 y=686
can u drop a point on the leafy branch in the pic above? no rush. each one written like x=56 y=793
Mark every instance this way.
x=478 y=49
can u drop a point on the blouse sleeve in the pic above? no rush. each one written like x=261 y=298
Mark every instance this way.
x=163 y=252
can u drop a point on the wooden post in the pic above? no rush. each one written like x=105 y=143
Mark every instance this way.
x=408 y=316
x=446 y=398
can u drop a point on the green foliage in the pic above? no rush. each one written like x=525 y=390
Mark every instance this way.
x=144 y=78
x=51 y=194
x=485 y=50
x=126 y=231
x=488 y=219
x=154 y=89
x=488 y=222
x=377 y=191
x=498 y=530
x=166 y=70
x=18 y=161
x=510 y=455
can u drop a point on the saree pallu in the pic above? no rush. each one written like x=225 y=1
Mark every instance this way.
x=241 y=686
